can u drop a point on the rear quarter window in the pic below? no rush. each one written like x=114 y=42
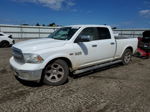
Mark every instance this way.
x=103 y=33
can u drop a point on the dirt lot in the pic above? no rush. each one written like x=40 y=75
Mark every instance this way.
x=112 y=89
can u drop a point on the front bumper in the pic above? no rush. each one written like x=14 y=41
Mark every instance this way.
x=28 y=75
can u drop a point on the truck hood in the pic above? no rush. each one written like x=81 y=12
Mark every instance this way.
x=38 y=44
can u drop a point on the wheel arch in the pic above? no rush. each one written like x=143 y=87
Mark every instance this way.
x=128 y=47
x=68 y=61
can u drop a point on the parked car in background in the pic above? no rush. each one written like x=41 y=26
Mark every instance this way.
x=76 y=49
x=6 y=40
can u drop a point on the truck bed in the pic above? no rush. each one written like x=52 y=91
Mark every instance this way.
x=124 y=42
x=121 y=37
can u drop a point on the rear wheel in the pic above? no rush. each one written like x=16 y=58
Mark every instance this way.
x=126 y=57
x=56 y=73
x=4 y=44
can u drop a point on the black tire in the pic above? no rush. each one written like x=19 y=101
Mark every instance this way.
x=126 y=57
x=56 y=73
x=4 y=44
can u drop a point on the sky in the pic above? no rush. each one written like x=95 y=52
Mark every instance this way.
x=117 y=13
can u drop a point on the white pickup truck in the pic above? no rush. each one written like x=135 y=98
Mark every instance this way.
x=72 y=49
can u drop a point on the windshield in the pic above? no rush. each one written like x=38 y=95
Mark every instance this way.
x=63 y=33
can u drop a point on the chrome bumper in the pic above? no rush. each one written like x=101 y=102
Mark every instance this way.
x=28 y=75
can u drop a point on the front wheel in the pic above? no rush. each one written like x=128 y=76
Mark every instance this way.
x=126 y=57
x=56 y=73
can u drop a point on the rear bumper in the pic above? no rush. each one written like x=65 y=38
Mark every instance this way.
x=28 y=75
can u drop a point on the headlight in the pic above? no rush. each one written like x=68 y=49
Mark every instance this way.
x=32 y=58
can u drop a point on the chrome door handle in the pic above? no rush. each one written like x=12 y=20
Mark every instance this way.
x=94 y=45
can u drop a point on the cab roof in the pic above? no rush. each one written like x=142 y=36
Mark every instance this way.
x=77 y=26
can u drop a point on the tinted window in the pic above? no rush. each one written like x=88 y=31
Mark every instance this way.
x=91 y=32
x=103 y=33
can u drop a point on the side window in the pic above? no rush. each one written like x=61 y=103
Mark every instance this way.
x=91 y=32
x=103 y=33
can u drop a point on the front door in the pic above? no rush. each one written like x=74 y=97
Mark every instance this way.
x=86 y=52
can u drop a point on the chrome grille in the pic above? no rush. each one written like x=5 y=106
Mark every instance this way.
x=17 y=54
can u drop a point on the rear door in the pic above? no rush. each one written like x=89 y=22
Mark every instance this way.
x=106 y=46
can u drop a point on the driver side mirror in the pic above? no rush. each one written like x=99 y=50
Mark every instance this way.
x=83 y=38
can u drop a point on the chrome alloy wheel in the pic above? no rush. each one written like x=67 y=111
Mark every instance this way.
x=127 y=57
x=54 y=73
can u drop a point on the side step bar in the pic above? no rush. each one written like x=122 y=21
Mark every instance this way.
x=96 y=67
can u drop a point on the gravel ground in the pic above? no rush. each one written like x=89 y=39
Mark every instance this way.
x=113 y=89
